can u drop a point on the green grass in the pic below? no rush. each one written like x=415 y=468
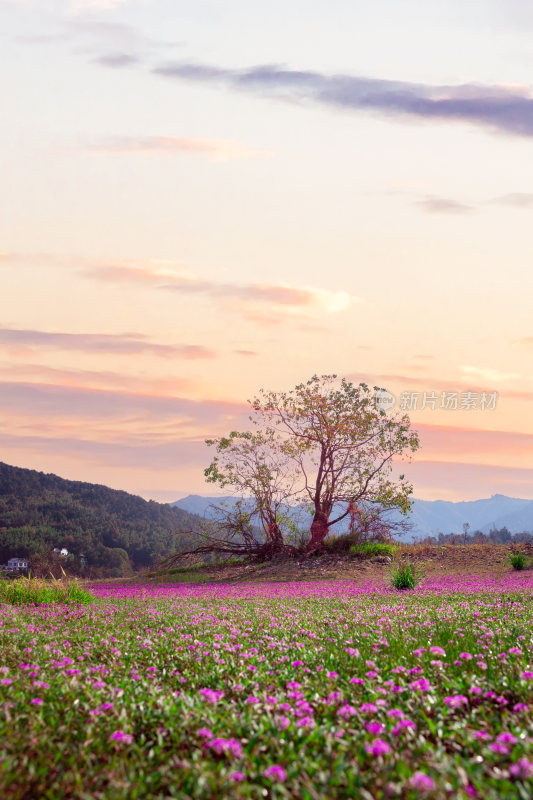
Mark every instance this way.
x=37 y=591
x=153 y=693
x=372 y=549
x=518 y=560
x=186 y=574
x=405 y=576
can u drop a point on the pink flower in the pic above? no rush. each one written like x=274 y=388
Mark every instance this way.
x=481 y=736
x=422 y=782
x=436 y=651
x=229 y=747
x=211 y=696
x=506 y=738
x=395 y=713
x=36 y=701
x=306 y=722
x=237 y=776
x=374 y=728
x=368 y=708
x=120 y=736
x=346 y=711
x=523 y=769
x=403 y=725
x=252 y=701
x=496 y=747
x=275 y=773
x=205 y=733
x=378 y=748
x=455 y=700
x=422 y=685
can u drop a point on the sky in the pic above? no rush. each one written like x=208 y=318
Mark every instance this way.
x=199 y=200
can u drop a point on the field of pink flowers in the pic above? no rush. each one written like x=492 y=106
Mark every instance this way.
x=304 y=690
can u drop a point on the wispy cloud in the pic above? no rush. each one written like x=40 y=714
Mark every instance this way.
x=460 y=441
x=116 y=344
x=253 y=298
x=36 y=403
x=117 y=60
x=501 y=108
x=217 y=149
x=260 y=301
x=126 y=453
x=525 y=341
x=442 y=205
x=28 y=372
x=443 y=480
x=107 y=42
x=515 y=200
x=488 y=373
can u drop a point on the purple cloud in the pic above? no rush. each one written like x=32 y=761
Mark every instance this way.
x=48 y=401
x=442 y=205
x=117 y=344
x=117 y=60
x=498 y=108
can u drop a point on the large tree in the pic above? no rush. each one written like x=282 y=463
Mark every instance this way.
x=343 y=444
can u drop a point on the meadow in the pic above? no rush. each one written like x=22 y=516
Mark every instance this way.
x=288 y=690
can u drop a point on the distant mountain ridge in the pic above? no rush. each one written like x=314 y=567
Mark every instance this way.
x=428 y=517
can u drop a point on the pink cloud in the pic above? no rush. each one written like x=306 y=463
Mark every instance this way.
x=101 y=343
x=441 y=480
x=216 y=149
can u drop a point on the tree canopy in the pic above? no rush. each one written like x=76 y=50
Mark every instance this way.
x=326 y=444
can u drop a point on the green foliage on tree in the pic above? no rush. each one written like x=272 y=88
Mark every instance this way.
x=326 y=444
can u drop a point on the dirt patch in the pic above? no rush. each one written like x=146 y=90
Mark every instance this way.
x=435 y=561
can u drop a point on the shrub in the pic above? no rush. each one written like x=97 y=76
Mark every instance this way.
x=518 y=560
x=371 y=549
x=405 y=577
x=36 y=591
x=348 y=543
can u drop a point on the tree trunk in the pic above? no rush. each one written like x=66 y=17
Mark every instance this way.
x=319 y=531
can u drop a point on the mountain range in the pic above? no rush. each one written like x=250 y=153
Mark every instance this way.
x=428 y=517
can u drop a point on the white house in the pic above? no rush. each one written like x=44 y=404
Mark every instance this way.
x=60 y=551
x=16 y=564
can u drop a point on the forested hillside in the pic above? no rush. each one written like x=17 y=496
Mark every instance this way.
x=114 y=530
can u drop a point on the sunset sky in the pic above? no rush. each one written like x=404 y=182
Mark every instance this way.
x=200 y=199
